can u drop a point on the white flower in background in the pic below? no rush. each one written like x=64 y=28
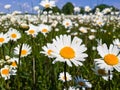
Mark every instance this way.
x=87 y=9
x=77 y=9
x=93 y=30
x=94 y=48
x=14 y=34
x=72 y=88
x=16 y=12
x=26 y=50
x=5 y=72
x=110 y=57
x=56 y=29
x=14 y=62
x=106 y=10
x=7 y=6
x=67 y=23
x=91 y=37
x=47 y=3
x=62 y=76
x=83 y=29
x=82 y=83
x=54 y=23
x=117 y=42
x=4 y=38
x=100 y=22
x=33 y=30
x=44 y=29
x=102 y=72
x=48 y=50
x=69 y=50
x=36 y=8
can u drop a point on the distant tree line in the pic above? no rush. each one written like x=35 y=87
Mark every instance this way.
x=68 y=8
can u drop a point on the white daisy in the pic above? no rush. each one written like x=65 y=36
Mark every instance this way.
x=14 y=62
x=5 y=72
x=26 y=50
x=3 y=38
x=47 y=3
x=68 y=50
x=110 y=57
x=102 y=72
x=44 y=28
x=62 y=76
x=83 y=30
x=33 y=30
x=14 y=34
x=48 y=50
x=87 y=9
x=117 y=42
x=83 y=83
x=67 y=23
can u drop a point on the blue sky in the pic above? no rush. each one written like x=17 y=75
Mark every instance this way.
x=26 y=5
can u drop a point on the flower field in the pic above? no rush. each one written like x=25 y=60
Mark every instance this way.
x=60 y=52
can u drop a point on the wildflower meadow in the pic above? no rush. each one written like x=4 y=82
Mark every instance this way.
x=55 y=51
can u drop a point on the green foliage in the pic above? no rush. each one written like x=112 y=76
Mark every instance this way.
x=103 y=6
x=56 y=10
x=68 y=8
x=46 y=72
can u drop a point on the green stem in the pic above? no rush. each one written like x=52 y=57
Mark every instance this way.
x=3 y=52
x=18 y=72
x=65 y=84
x=109 y=79
x=34 y=65
x=11 y=43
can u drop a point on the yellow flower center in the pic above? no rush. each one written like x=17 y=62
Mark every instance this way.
x=64 y=78
x=2 y=40
x=102 y=72
x=99 y=23
x=47 y=5
x=49 y=52
x=81 y=83
x=67 y=53
x=23 y=52
x=44 y=30
x=67 y=24
x=13 y=35
x=111 y=59
x=5 y=71
x=31 y=31
x=14 y=64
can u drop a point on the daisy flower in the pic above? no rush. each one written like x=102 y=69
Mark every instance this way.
x=62 y=76
x=7 y=6
x=100 y=22
x=72 y=88
x=83 y=83
x=87 y=9
x=102 y=72
x=117 y=43
x=14 y=62
x=68 y=50
x=110 y=57
x=83 y=30
x=48 y=50
x=33 y=30
x=5 y=72
x=3 y=38
x=14 y=34
x=44 y=29
x=26 y=50
x=47 y=3
x=67 y=23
